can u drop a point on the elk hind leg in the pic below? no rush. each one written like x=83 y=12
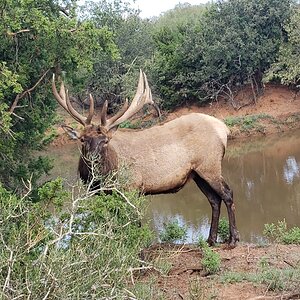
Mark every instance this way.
x=215 y=203
x=225 y=193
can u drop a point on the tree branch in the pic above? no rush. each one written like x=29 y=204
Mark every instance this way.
x=20 y=31
x=22 y=95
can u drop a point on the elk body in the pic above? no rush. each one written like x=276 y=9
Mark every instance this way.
x=160 y=159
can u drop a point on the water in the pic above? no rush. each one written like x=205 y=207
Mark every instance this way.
x=264 y=174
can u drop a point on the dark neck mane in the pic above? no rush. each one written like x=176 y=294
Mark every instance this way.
x=107 y=163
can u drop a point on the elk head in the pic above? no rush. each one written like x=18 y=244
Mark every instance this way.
x=96 y=136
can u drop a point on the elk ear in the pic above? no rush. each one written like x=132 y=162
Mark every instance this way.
x=72 y=133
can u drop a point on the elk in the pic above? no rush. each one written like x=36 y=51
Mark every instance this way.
x=162 y=158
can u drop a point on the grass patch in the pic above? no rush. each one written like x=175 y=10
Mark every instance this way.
x=275 y=279
x=247 y=123
x=198 y=290
x=211 y=260
x=223 y=230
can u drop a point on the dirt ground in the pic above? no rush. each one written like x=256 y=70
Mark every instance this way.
x=247 y=272
x=183 y=276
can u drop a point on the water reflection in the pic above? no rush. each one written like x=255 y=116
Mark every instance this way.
x=291 y=170
x=265 y=177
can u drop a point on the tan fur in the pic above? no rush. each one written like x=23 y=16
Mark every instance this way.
x=162 y=158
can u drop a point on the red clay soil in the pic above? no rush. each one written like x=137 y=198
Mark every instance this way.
x=247 y=272
x=279 y=104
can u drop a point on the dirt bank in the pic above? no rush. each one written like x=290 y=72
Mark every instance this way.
x=277 y=110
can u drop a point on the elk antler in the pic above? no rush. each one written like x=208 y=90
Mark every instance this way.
x=143 y=96
x=63 y=99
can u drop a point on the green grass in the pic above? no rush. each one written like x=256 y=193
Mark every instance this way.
x=223 y=230
x=247 y=123
x=211 y=260
x=275 y=279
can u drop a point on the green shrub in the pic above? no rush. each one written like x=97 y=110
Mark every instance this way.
x=201 y=242
x=246 y=122
x=223 y=230
x=173 y=232
x=69 y=246
x=211 y=260
x=281 y=234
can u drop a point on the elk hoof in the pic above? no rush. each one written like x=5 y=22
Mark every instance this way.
x=211 y=242
x=233 y=241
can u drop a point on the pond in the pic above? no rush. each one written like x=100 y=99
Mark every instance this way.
x=264 y=174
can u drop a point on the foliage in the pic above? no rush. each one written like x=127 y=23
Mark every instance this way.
x=227 y=45
x=199 y=290
x=211 y=260
x=201 y=242
x=113 y=79
x=85 y=250
x=173 y=232
x=174 y=40
x=38 y=38
x=223 y=230
x=281 y=234
x=287 y=67
x=246 y=122
x=275 y=279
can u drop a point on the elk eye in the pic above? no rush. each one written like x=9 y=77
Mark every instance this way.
x=82 y=139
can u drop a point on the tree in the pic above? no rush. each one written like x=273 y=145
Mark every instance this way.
x=38 y=38
x=113 y=79
x=287 y=67
x=174 y=32
x=234 y=42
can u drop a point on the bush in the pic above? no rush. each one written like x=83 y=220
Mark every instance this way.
x=173 y=232
x=281 y=234
x=223 y=230
x=69 y=246
x=211 y=261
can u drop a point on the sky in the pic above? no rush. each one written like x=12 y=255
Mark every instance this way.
x=151 y=8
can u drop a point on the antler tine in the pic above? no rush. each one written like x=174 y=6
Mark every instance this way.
x=103 y=114
x=57 y=95
x=150 y=99
x=63 y=99
x=91 y=111
x=119 y=114
x=140 y=99
x=73 y=112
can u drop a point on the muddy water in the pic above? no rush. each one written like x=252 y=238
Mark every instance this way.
x=263 y=173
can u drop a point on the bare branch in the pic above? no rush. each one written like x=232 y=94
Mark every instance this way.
x=22 y=95
x=18 y=32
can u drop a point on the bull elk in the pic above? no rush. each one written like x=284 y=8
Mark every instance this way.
x=162 y=158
